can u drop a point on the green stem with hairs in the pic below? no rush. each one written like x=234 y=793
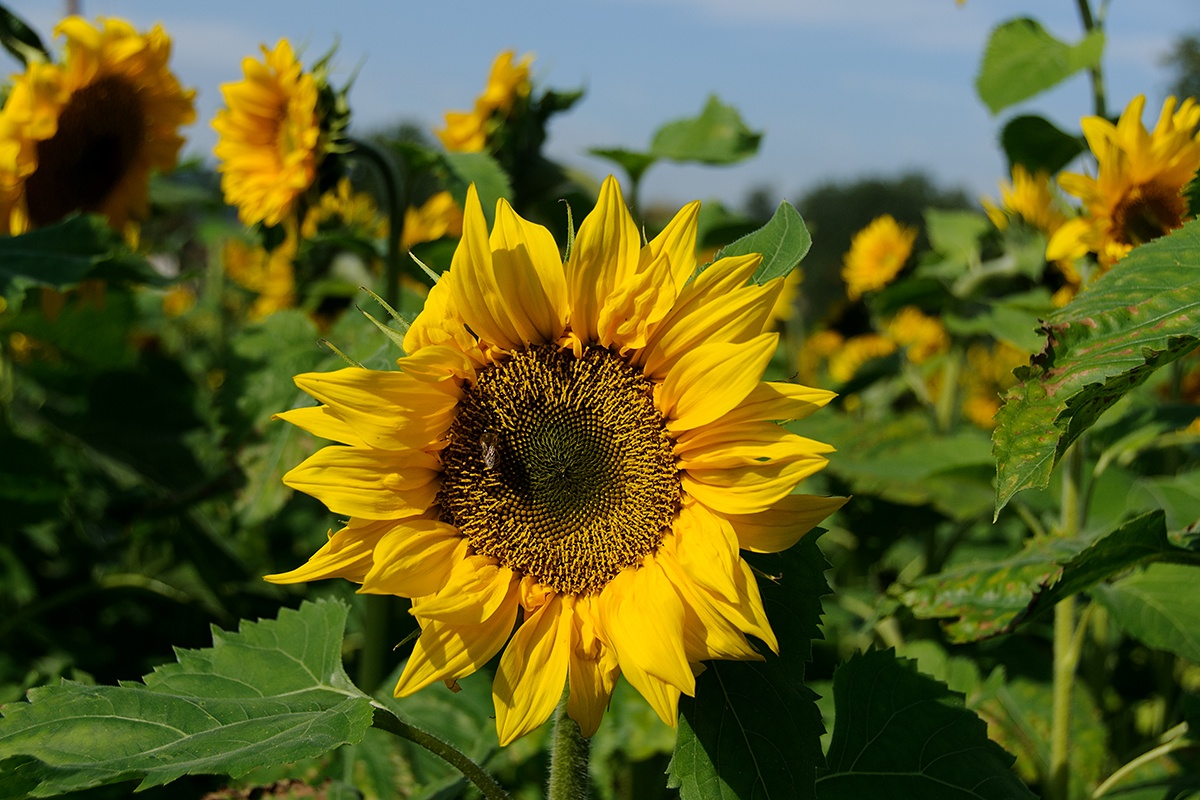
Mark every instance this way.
x=1067 y=645
x=385 y=720
x=569 y=752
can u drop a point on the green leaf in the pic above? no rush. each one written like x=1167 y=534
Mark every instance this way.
x=1136 y=318
x=19 y=39
x=1159 y=606
x=632 y=162
x=271 y=693
x=955 y=234
x=992 y=598
x=728 y=746
x=63 y=254
x=1022 y=59
x=783 y=242
x=717 y=136
x=490 y=179
x=900 y=734
x=1037 y=144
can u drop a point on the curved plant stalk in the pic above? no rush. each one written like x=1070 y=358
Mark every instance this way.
x=1096 y=73
x=385 y=720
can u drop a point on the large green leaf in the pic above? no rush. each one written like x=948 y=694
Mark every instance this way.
x=490 y=179
x=717 y=136
x=1159 y=606
x=753 y=729
x=1022 y=59
x=900 y=734
x=783 y=242
x=271 y=693
x=989 y=599
x=63 y=254
x=1134 y=319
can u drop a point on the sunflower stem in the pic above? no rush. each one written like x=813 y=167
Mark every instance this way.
x=388 y=172
x=569 y=752
x=1066 y=644
x=947 y=402
x=385 y=720
x=1096 y=74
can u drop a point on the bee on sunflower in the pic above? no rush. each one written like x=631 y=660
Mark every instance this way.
x=567 y=462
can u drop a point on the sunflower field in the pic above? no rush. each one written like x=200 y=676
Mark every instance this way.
x=417 y=464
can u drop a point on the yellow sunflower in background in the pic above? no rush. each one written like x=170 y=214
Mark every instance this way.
x=84 y=134
x=437 y=217
x=575 y=450
x=269 y=136
x=855 y=352
x=467 y=131
x=876 y=256
x=1029 y=198
x=1137 y=194
x=270 y=274
x=348 y=209
x=921 y=335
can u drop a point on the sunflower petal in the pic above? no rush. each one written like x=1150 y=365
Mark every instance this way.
x=593 y=669
x=604 y=255
x=474 y=589
x=321 y=421
x=415 y=558
x=528 y=271
x=533 y=671
x=369 y=483
x=781 y=526
x=747 y=490
x=475 y=291
x=711 y=380
x=448 y=652
x=348 y=554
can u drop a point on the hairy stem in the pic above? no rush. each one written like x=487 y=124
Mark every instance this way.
x=1096 y=73
x=569 y=752
x=387 y=721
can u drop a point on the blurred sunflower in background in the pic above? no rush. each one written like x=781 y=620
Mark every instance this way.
x=1030 y=198
x=467 y=131
x=1137 y=194
x=278 y=125
x=575 y=449
x=877 y=254
x=84 y=134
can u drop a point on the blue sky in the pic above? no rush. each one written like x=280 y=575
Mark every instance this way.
x=841 y=88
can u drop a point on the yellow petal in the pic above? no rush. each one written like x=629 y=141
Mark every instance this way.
x=415 y=558
x=1070 y=241
x=707 y=549
x=475 y=588
x=528 y=270
x=747 y=490
x=603 y=256
x=448 y=652
x=643 y=621
x=709 y=630
x=533 y=671
x=593 y=670
x=771 y=400
x=439 y=321
x=781 y=526
x=388 y=410
x=720 y=446
x=348 y=554
x=711 y=380
x=369 y=483
x=321 y=421
x=474 y=291
x=675 y=247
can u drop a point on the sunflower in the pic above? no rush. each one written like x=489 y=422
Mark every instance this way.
x=269 y=136
x=1029 y=198
x=467 y=131
x=270 y=274
x=922 y=336
x=855 y=352
x=84 y=134
x=1137 y=194
x=876 y=256
x=575 y=450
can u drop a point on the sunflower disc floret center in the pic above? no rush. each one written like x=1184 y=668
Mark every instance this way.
x=561 y=467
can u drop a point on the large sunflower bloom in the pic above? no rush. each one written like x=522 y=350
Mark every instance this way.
x=877 y=254
x=269 y=136
x=83 y=135
x=1137 y=194
x=578 y=450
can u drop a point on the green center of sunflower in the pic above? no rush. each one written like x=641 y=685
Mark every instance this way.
x=100 y=133
x=1148 y=212
x=561 y=467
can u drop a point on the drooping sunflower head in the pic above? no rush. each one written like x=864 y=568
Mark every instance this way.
x=1137 y=193
x=468 y=131
x=1029 y=198
x=877 y=254
x=279 y=124
x=84 y=134
x=568 y=460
